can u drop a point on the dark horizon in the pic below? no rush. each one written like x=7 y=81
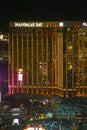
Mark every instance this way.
x=41 y=11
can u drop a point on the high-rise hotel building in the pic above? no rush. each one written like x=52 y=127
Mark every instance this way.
x=48 y=58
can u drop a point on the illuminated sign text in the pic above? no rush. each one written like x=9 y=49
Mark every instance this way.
x=28 y=24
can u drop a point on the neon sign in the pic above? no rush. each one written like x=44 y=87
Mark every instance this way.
x=34 y=128
x=28 y=24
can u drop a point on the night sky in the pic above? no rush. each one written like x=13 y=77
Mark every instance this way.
x=41 y=10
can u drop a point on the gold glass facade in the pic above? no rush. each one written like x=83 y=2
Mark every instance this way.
x=80 y=40
x=47 y=58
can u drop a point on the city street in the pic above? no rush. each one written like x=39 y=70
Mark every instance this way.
x=65 y=116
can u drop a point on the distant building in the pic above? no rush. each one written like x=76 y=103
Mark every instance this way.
x=3 y=63
x=48 y=58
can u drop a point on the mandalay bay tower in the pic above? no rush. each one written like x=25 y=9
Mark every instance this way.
x=48 y=58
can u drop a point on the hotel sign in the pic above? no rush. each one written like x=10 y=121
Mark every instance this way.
x=28 y=24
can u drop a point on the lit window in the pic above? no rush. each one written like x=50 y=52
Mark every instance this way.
x=20 y=77
x=1 y=36
x=61 y=24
